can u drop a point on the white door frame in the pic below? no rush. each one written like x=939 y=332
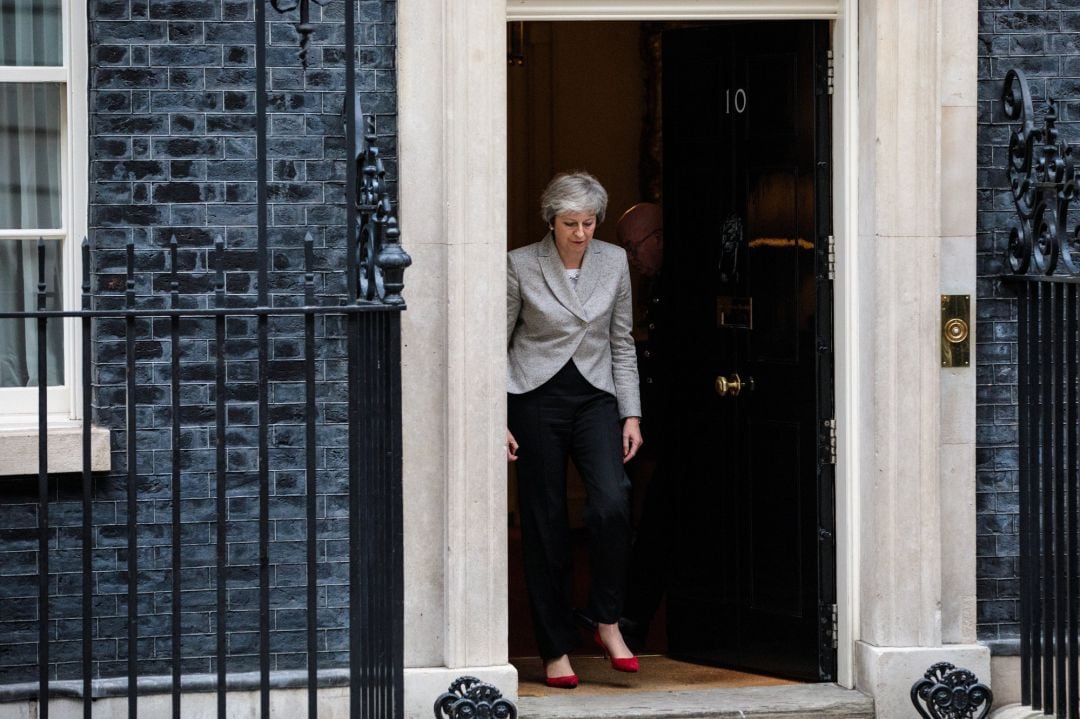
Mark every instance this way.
x=452 y=158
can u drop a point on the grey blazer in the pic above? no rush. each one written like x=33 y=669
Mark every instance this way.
x=548 y=323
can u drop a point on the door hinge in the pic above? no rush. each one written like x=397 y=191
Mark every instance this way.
x=829 y=628
x=830 y=72
x=834 y=629
x=830 y=261
x=830 y=441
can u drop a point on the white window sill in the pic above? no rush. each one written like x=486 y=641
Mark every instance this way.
x=19 y=446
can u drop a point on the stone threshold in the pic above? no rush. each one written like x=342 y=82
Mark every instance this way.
x=825 y=701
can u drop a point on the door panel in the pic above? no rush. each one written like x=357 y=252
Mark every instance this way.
x=774 y=262
x=748 y=571
x=771 y=81
x=775 y=446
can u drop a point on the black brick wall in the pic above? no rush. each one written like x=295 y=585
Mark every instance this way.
x=1042 y=38
x=172 y=151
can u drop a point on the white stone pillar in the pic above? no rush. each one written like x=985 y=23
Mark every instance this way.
x=452 y=148
x=917 y=228
x=901 y=563
x=959 y=123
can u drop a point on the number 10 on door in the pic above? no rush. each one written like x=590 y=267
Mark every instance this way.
x=735 y=99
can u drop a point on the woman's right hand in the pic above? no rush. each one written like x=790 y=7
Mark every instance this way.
x=511 y=447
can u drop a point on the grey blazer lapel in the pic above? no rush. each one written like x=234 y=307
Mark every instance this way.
x=555 y=275
x=591 y=272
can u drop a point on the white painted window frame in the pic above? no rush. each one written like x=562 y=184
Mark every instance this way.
x=843 y=15
x=18 y=406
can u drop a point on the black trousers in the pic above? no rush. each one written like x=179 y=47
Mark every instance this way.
x=568 y=416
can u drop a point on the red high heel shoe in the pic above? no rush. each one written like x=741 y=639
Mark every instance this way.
x=568 y=682
x=627 y=664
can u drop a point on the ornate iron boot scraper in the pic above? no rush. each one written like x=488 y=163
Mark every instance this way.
x=946 y=692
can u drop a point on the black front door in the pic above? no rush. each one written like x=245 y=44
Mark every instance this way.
x=748 y=348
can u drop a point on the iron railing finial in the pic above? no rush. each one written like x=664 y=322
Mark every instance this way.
x=1043 y=184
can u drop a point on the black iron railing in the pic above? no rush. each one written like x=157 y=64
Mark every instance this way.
x=1042 y=256
x=371 y=331
x=1049 y=492
x=366 y=321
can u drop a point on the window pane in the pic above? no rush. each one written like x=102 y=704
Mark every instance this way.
x=18 y=292
x=30 y=156
x=30 y=32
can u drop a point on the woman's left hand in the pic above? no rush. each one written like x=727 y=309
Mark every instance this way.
x=631 y=438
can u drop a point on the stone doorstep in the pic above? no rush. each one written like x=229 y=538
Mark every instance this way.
x=821 y=701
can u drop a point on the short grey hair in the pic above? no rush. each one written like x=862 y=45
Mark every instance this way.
x=573 y=192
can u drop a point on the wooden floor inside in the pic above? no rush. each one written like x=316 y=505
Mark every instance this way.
x=658 y=674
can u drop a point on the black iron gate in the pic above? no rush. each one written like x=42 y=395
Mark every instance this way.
x=1042 y=256
x=365 y=325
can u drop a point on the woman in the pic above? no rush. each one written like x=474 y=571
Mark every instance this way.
x=572 y=381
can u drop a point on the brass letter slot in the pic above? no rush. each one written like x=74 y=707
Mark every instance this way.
x=955 y=330
x=737 y=312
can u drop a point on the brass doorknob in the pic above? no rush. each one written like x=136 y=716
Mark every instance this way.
x=733 y=385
